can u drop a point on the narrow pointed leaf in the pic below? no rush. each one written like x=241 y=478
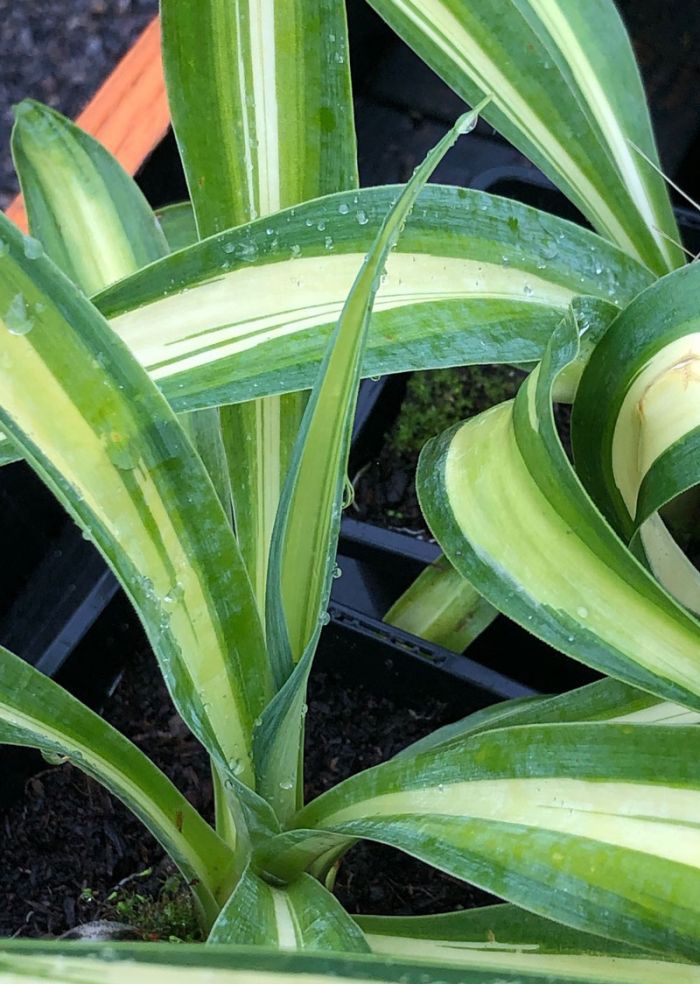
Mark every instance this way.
x=101 y=436
x=566 y=91
x=85 y=209
x=162 y=963
x=309 y=520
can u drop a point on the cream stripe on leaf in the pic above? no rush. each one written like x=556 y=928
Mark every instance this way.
x=594 y=825
x=262 y=108
x=94 y=222
x=566 y=91
x=88 y=213
x=518 y=524
x=100 y=435
x=473 y=280
x=300 y=916
x=504 y=272
x=187 y=963
x=635 y=425
x=35 y=711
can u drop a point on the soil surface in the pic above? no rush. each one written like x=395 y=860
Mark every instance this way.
x=385 y=488
x=66 y=844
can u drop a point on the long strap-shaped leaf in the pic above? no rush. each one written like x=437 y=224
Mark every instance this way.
x=35 y=711
x=89 y=215
x=162 y=963
x=95 y=428
x=503 y=501
x=635 y=423
x=594 y=825
x=300 y=916
x=262 y=107
x=567 y=92
x=304 y=542
x=454 y=936
x=442 y=607
x=95 y=224
x=261 y=103
x=474 y=279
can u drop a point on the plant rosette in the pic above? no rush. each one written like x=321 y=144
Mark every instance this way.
x=192 y=410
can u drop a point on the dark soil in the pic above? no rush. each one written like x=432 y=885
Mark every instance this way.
x=385 y=488
x=66 y=843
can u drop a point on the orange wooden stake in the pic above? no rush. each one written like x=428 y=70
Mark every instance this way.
x=128 y=113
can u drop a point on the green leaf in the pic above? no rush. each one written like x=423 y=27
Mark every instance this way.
x=85 y=209
x=301 y=916
x=442 y=607
x=454 y=936
x=309 y=520
x=249 y=313
x=262 y=108
x=261 y=104
x=566 y=91
x=35 y=711
x=162 y=963
x=178 y=224
x=97 y=431
x=635 y=423
x=502 y=499
x=605 y=700
x=594 y=825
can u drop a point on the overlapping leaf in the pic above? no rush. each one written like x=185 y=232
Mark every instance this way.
x=95 y=428
x=158 y=963
x=636 y=424
x=593 y=825
x=511 y=515
x=300 y=916
x=566 y=91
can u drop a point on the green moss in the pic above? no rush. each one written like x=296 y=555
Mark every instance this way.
x=170 y=915
x=436 y=400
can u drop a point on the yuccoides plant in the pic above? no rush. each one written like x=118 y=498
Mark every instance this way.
x=169 y=416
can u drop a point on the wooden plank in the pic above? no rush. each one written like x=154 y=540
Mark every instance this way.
x=129 y=112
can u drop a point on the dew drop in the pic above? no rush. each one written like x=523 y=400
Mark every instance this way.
x=295 y=250
x=328 y=242
x=527 y=290
x=288 y=784
x=32 y=248
x=582 y=612
x=321 y=225
x=18 y=321
x=324 y=618
x=337 y=572
x=343 y=208
x=362 y=217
